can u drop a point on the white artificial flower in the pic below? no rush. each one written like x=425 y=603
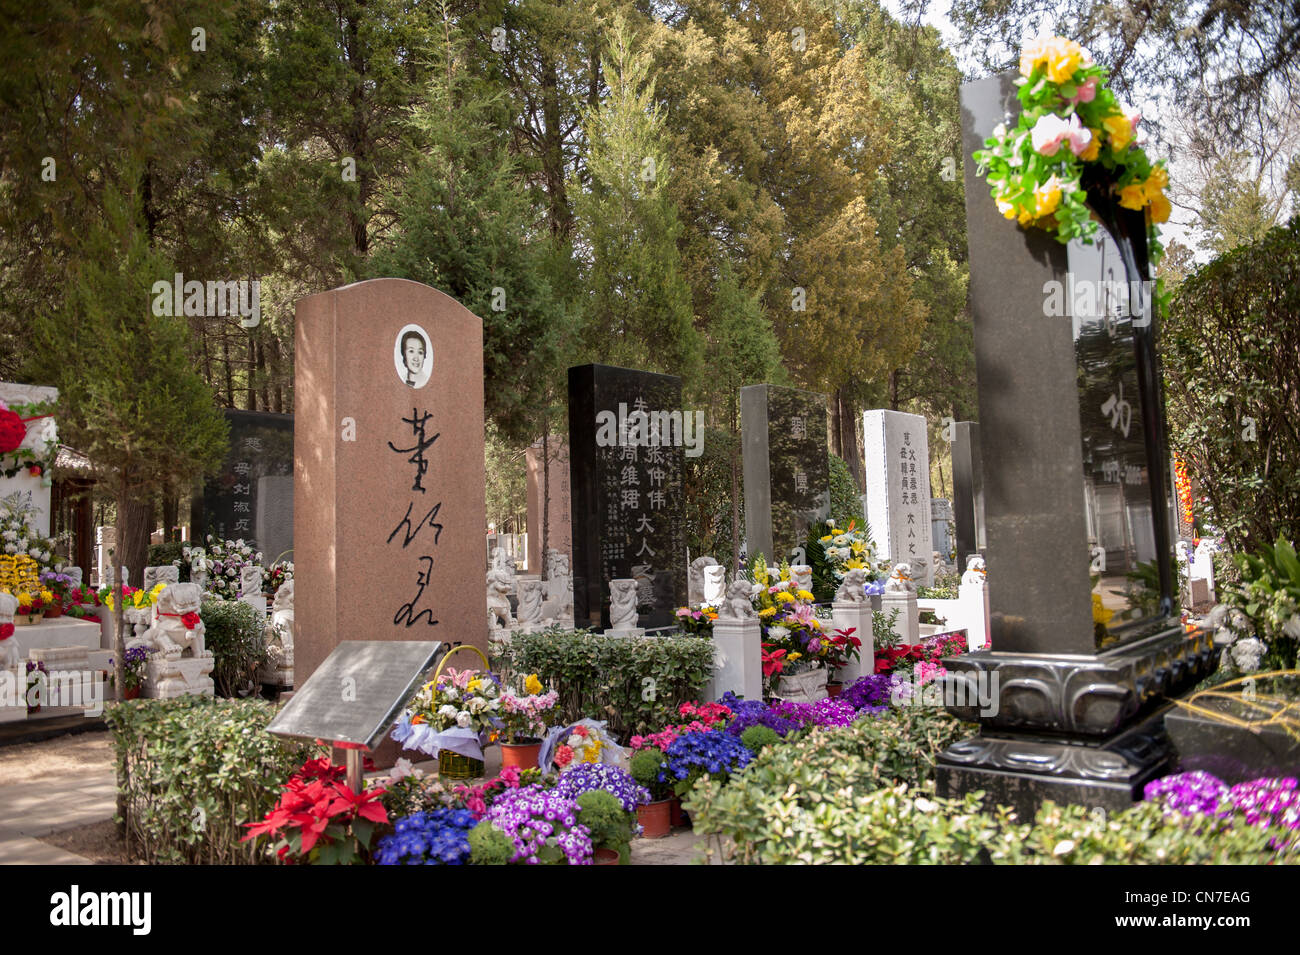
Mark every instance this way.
x=463 y=719
x=447 y=710
x=10 y=535
x=401 y=769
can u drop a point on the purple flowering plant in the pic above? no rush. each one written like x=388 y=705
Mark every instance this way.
x=1267 y=802
x=543 y=825
x=589 y=777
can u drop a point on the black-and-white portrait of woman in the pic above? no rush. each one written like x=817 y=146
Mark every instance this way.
x=413 y=356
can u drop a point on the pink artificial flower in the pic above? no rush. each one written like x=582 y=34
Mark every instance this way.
x=1086 y=92
x=1051 y=131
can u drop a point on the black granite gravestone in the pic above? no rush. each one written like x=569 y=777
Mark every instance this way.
x=628 y=437
x=1079 y=668
x=967 y=490
x=251 y=498
x=786 y=467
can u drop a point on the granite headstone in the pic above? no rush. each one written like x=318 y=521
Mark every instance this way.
x=897 y=456
x=627 y=444
x=389 y=469
x=786 y=467
x=251 y=497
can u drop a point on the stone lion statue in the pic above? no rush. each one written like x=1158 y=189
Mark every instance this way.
x=283 y=597
x=499 y=583
x=975 y=572
x=900 y=580
x=622 y=603
x=738 y=604
x=852 y=587
x=177 y=627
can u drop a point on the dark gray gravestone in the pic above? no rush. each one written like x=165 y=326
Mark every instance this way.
x=356 y=694
x=967 y=491
x=1078 y=715
x=628 y=438
x=251 y=498
x=786 y=466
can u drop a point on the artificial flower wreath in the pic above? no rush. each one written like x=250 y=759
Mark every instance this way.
x=1070 y=125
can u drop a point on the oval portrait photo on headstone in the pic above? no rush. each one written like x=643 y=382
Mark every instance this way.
x=413 y=356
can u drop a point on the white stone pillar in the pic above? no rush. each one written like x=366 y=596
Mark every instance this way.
x=974 y=598
x=908 y=624
x=848 y=614
x=737 y=659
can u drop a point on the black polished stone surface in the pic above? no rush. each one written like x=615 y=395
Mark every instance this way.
x=1233 y=753
x=967 y=491
x=625 y=472
x=786 y=467
x=251 y=498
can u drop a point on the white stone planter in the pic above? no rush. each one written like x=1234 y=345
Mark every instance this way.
x=803 y=687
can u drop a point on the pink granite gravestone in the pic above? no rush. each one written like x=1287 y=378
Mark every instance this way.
x=388 y=469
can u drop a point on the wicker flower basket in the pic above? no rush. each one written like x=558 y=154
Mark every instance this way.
x=454 y=765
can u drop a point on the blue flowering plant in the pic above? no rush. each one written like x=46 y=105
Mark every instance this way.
x=713 y=753
x=437 y=837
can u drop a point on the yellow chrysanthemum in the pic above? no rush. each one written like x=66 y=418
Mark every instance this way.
x=784 y=596
x=804 y=595
x=47 y=596
x=532 y=685
x=767 y=612
x=827 y=538
x=793 y=656
x=1099 y=612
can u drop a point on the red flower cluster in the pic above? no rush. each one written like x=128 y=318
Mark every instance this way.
x=888 y=657
x=708 y=713
x=772 y=662
x=12 y=431
x=317 y=806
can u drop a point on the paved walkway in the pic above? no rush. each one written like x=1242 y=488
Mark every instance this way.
x=63 y=783
x=50 y=786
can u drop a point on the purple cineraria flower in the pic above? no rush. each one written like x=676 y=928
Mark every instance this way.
x=1188 y=793
x=528 y=815
x=592 y=776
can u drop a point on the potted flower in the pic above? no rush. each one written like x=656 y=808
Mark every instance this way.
x=452 y=717
x=38 y=680
x=654 y=813
x=81 y=601
x=523 y=722
x=59 y=586
x=607 y=799
x=697 y=621
x=845 y=648
x=133 y=662
x=31 y=607
x=713 y=753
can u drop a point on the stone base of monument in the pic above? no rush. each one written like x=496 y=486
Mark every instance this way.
x=1075 y=729
x=628 y=632
x=847 y=615
x=908 y=624
x=737 y=660
x=13 y=701
x=1231 y=752
x=166 y=679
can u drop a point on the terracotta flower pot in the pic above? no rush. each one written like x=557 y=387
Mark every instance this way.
x=132 y=694
x=53 y=612
x=655 y=818
x=834 y=689
x=522 y=755
x=605 y=857
x=675 y=813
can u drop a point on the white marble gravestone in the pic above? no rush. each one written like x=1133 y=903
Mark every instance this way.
x=898 y=490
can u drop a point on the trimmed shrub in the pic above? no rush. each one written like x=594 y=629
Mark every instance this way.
x=236 y=635
x=191 y=771
x=636 y=685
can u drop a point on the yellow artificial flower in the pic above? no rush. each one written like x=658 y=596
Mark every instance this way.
x=24 y=600
x=793 y=655
x=828 y=537
x=856 y=547
x=1160 y=208
x=1133 y=197
x=784 y=596
x=1064 y=57
x=532 y=685
x=1099 y=612
x=804 y=595
x=1158 y=179
x=1024 y=218
x=47 y=596
x=767 y=612
x=1047 y=197
x=138 y=598
x=854 y=564
x=1093 y=149
x=1119 y=129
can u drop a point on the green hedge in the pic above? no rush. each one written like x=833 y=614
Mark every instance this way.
x=191 y=771
x=861 y=795
x=236 y=635
x=636 y=685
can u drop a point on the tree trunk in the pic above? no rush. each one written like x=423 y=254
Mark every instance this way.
x=119 y=655
x=171 y=507
x=846 y=439
x=546 y=488
x=134 y=527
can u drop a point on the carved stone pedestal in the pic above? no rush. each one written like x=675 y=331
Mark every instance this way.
x=166 y=679
x=737 y=660
x=856 y=616
x=1086 y=729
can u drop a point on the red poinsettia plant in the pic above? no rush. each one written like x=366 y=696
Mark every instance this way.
x=320 y=820
x=845 y=648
